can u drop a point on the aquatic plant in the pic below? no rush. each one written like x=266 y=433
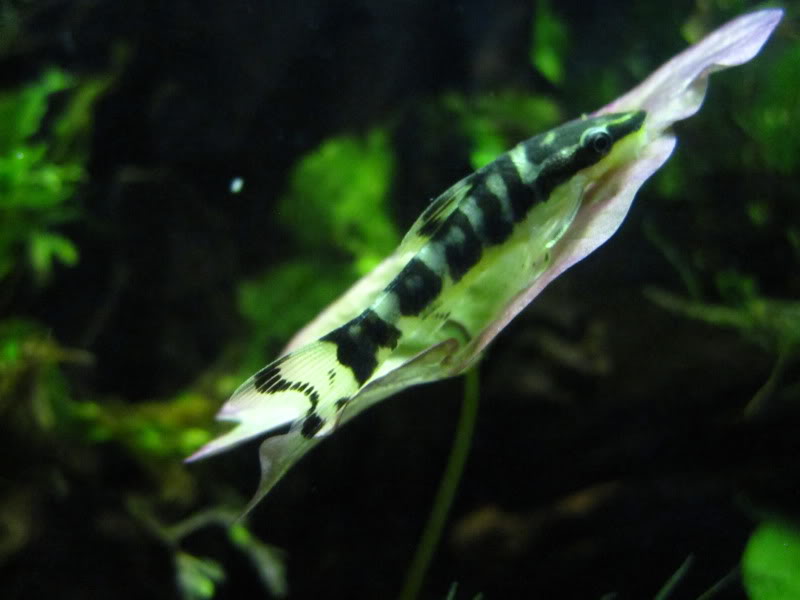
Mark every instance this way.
x=38 y=178
x=771 y=561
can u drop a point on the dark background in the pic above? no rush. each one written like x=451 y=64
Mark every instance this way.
x=610 y=441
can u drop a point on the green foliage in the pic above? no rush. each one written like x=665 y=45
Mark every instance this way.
x=771 y=118
x=149 y=429
x=753 y=117
x=549 y=43
x=44 y=131
x=32 y=388
x=494 y=122
x=267 y=560
x=771 y=562
x=754 y=123
x=281 y=301
x=197 y=578
x=38 y=175
x=337 y=197
x=34 y=391
x=339 y=193
x=708 y=13
x=772 y=324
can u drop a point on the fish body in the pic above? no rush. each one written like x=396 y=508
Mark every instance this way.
x=472 y=250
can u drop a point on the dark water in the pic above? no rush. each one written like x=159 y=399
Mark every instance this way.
x=613 y=439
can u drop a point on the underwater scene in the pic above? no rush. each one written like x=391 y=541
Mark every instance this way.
x=400 y=300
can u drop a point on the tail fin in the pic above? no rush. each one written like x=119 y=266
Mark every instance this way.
x=306 y=388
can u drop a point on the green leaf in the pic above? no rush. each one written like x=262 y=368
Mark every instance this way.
x=197 y=577
x=21 y=111
x=771 y=562
x=39 y=175
x=550 y=43
x=287 y=296
x=772 y=324
x=339 y=192
x=268 y=560
x=769 y=113
x=494 y=122
x=46 y=248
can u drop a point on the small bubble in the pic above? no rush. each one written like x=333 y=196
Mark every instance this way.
x=237 y=183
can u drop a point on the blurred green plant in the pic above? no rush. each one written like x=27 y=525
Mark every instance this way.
x=446 y=493
x=198 y=577
x=771 y=117
x=150 y=430
x=339 y=194
x=40 y=167
x=772 y=324
x=493 y=123
x=283 y=299
x=31 y=384
x=549 y=43
x=452 y=593
x=337 y=207
x=34 y=395
x=771 y=562
x=755 y=126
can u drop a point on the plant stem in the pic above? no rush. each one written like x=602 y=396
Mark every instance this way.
x=447 y=488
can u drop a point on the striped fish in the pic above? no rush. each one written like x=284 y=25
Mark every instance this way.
x=472 y=250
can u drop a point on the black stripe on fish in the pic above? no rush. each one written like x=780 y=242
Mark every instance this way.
x=357 y=343
x=537 y=151
x=495 y=226
x=519 y=196
x=312 y=423
x=269 y=380
x=462 y=246
x=415 y=287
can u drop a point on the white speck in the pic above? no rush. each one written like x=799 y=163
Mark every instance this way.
x=237 y=183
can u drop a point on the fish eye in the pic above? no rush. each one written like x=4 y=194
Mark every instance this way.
x=598 y=140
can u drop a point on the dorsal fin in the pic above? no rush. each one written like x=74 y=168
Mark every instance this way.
x=435 y=215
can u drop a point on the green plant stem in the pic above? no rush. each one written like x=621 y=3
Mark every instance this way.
x=676 y=578
x=447 y=488
x=762 y=397
x=720 y=585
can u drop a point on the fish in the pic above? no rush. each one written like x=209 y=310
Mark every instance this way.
x=476 y=257
x=474 y=248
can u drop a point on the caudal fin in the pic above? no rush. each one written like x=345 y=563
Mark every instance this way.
x=306 y=388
